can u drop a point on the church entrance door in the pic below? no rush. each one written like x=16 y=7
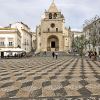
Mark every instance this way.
x=52 y=43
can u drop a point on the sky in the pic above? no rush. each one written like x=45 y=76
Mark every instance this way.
x=29 y=12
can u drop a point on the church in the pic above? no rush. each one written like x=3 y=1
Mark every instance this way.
x=51 y=34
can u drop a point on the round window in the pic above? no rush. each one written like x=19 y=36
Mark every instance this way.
x=52 y=25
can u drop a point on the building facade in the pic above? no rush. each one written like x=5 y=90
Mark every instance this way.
x=33 y=41
x=92 y=31
x=9 y=38
x=77 y=33
x=26 y=36
x=52 y=35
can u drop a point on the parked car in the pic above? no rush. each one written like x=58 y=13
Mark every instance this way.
x=70 y=51
x=75 y=50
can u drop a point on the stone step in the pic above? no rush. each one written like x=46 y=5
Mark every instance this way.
x=49 y=53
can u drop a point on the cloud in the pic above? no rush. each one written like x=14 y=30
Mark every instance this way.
x=29 y=11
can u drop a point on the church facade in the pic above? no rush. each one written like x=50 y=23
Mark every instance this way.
x=52 y=35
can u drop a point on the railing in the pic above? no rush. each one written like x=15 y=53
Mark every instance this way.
x=49 y=49
x=2 y=45
x=11 y=45
x=52 y=31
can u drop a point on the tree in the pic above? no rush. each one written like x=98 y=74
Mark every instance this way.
x=93 y=31
x=80 y=43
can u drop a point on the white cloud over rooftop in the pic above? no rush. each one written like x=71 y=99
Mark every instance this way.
x=29 y=11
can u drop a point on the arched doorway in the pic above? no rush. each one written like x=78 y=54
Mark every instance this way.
x=52 y=43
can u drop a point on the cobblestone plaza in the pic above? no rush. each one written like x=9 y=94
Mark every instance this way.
x=45 y=78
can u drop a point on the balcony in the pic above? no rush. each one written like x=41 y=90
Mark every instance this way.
x=2 y=45
x=49 y=48
x=52 y=31
x=10 y=45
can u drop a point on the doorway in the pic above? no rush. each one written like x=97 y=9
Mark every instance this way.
x=2 y=54
x=53 y=44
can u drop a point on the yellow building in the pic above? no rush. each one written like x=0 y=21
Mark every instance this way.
x=9 y=38
x=26 y=36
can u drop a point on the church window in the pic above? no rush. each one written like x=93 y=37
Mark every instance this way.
x=50 y=16
x=52 y=25
x=56 y=29
x=48 y=29
x=39 y=33
x=55 y=16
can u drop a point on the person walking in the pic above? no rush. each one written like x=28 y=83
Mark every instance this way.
x=90 y=55
x=53 y=54
x=95 y=56
x=45 y=52
x=56 y=55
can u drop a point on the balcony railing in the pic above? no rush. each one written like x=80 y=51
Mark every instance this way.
x=52 y=31
x=49 y=49
x=2 y=45
x=11 y=45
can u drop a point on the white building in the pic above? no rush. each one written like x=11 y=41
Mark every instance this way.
x=26 y=36
x=77 y=33
x=88 y=33
x=9 y=38
x=34 y=41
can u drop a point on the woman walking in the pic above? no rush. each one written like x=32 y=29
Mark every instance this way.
x=53 y=54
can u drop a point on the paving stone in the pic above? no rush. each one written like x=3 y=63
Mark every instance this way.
x=60 y=82
x=48 y=77
x=33 y=77
x=21 y=78
x=84 y=92
x=44 y=78
x=6 y=84
x=61 y=76
x=83 y=82
x=41 y=83
x=83 y=76
x=50 y=90
x=29 y=83
x=6 y=78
